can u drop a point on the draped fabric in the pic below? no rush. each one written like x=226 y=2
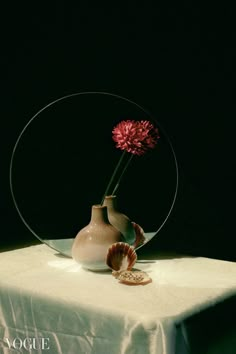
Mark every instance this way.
x=44 y=295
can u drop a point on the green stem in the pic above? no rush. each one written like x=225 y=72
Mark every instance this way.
x=113 y=175
x=125 y=168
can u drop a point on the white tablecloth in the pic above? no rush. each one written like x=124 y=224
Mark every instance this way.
x=45 y=295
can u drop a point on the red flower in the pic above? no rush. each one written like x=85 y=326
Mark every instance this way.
x=135 y=137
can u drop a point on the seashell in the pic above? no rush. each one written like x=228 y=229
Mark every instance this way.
x=132 y=277
x=121 y=256
x=140 y=235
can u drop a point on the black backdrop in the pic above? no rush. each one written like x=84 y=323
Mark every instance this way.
x=176 y=62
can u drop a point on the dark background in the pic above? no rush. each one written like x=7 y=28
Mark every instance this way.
x=177 y=62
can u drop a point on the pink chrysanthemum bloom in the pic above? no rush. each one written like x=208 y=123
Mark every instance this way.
x=136 y=137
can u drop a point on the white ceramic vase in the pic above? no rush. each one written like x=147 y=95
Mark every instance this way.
x=91 y=244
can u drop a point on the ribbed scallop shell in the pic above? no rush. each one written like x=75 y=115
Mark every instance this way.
x=140 y=235
x=121 y=256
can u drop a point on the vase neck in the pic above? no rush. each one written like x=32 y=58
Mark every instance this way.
x=99 y=214
x=111 y=202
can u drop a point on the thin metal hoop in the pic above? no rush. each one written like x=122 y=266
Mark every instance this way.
x=78 y=94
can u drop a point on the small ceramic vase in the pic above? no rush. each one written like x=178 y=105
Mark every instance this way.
x=91 y=244
x=119 y=220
